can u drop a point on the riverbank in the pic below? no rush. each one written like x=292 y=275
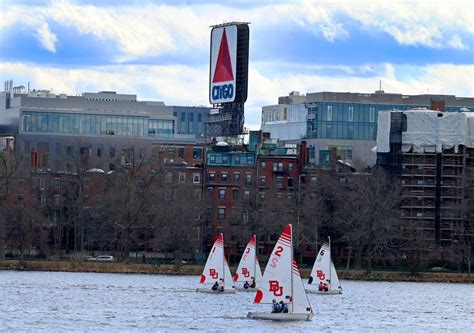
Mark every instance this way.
x=111 y=267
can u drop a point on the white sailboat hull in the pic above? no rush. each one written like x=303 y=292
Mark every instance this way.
x=248 y=289
x=209 y=290
x=329 y=292
x=280 y=316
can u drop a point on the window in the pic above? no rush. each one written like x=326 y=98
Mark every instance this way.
x=236 y=177
x=262 y=164
x=248 y=178
x=262 y=181
x=42 y=183
x=290 y=181
x=290 y=167
x=209 y=192
x=221 y=213
x=57 y=182
x=262 y=195
x=314 y=180
x=277 y=167
x=245 y=216
x=246 y=195
x=279 y=182
x=57 y=199
x=222 y=193
x=168 y=177
x=350 y=114
x=112 y=152
x=235 y=194
x=212 y=176
x=196 y=178
x=329 y=113
x=279 y=195
x=224 y=176
x=197 y=153
x=371 y=114
x=100 y=150
x=419 y=182
x=182 y=177
x=419 y=214
x=69 y=150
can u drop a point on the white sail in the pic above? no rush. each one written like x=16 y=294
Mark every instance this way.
x=276 y=281
x=300 y=299
x=335 y=284
x=324 y=271
x=228 y=283
x=248 y=266
x=320 y=271
x=214 y=268
x=281 y=280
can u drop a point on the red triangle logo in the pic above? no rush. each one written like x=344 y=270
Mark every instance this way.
x=223 y=70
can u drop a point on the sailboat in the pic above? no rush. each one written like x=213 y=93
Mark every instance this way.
x=249 y=268
x=282 y=282
x=324 y=273
x=217 y=270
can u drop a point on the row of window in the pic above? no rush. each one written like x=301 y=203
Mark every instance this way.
x=224 y=177
x=231 y=159
x=71 y=123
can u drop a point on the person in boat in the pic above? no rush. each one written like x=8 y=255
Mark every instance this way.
x=310 y=280
x=246 y=285
x=215 y=286
x=221 y=285
x=326 y=288
x=321 y=286
x=253 y=284
x=276 y=308
x=283 y=307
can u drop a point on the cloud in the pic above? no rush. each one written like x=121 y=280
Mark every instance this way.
x=187 y=85
x=47 y=38
x=152 y=29
x=456 y=43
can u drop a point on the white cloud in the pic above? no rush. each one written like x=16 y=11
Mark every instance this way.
x=151 y=30
x=47 y=38
x=456 y=43
x=186 y=85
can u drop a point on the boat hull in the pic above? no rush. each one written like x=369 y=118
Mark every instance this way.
x=209 y=290
x=248 y=289
x=329 y=292
x=280 y=316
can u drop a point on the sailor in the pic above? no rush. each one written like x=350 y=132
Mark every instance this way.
x=283 y=307
x=321 y=286
x=326 y=288
x=253 y=284
x=215 y=286
x=276 y=308
x=221 y=285
x=246 y=285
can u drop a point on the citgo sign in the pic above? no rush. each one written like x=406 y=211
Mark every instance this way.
x=223 y=64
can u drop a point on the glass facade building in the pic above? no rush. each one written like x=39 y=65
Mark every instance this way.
x=95 y=124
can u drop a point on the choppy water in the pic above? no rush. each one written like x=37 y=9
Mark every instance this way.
x=43 y=301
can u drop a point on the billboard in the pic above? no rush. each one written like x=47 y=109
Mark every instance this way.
x=229 y=63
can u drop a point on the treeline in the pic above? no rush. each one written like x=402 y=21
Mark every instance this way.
x=137 y=209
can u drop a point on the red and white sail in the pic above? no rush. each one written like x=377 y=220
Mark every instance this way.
x=248 y=266
x=214 y=268
x=281 y=280
x=324 y=270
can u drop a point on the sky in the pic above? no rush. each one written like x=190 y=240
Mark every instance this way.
x=159 y=50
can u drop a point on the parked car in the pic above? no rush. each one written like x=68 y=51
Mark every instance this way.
x=104 y=258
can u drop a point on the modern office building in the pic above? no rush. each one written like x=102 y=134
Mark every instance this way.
x=105 y=129
x=432 y=153
x=346 y=122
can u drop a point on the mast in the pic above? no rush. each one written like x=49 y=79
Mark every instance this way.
x=291 y=269
x=330 y=262
x=255 y=262
x=223 y=261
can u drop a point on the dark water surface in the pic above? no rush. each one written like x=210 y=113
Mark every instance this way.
x=56 y=301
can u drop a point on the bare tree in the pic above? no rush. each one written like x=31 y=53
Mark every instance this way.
x=366 y=210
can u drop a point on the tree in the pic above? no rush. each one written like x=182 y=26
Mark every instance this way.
x=367 y=213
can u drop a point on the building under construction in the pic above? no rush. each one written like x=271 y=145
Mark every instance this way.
x=433 y=154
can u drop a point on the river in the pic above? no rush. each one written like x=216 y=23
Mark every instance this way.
x=57 y=301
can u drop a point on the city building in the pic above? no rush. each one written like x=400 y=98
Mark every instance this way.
x=346 y=122
x=433 y=154
x=105 y=129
